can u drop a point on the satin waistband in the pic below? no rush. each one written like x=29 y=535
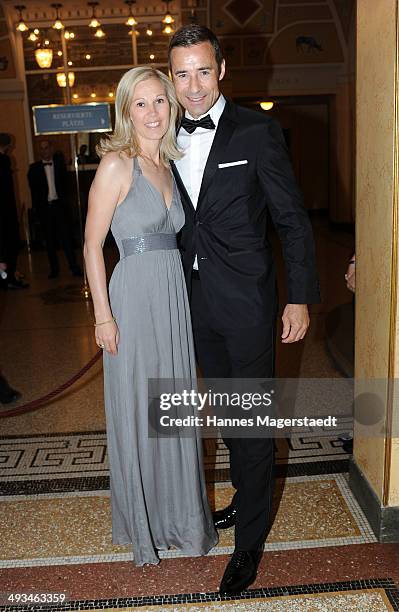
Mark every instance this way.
x=135 y=245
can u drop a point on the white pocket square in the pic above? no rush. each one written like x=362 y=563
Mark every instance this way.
x=236 y=163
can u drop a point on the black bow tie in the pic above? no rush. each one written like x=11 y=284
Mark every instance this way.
x=190 y=125
x=47 y=163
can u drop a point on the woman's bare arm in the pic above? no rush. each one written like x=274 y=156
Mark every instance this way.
x=103 y=198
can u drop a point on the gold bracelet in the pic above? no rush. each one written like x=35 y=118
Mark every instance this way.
x=104 y=322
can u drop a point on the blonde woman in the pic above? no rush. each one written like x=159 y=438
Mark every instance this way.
x=158 y=495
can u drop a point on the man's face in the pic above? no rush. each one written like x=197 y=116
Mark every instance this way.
x=196 y=77
x=45 y=150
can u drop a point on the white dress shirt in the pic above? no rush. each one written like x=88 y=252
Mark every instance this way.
x=196 y=148
x=49 y=170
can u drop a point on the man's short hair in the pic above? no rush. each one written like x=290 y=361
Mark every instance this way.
x=5 y=139
x=194 y=34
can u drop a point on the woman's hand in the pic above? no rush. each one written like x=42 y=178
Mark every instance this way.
x=107 y=337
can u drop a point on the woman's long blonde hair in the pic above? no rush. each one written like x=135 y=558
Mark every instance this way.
x=124 y=139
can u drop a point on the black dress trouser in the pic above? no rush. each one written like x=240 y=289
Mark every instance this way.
x=56 y=226
x=240 y=353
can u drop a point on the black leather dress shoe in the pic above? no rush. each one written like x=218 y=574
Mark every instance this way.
x=240 y=572
x=223 y=519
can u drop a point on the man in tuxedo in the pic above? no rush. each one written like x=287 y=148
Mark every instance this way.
x=234 y=173
x=47 y=181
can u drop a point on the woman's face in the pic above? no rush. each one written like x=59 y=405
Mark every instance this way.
x=150 y=110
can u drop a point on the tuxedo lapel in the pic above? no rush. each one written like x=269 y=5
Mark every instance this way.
x=224 y=132
x=181 y=186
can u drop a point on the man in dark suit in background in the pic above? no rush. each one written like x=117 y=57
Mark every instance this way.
x=9 y=226
x=48 y=182
x=7 y=393
x=235 y=170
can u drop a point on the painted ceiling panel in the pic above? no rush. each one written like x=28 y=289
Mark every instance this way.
x=290 y=14
x=236 y=16
x=315 y=43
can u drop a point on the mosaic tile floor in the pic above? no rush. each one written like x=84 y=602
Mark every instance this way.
x=80 y=526
x=378 y=595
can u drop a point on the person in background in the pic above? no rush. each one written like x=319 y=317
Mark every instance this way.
x=83 y=158
x=9 y=218
x=47 y=181
x=7 y=393
x=350 y=275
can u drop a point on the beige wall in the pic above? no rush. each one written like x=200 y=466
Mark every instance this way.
x=376 y=232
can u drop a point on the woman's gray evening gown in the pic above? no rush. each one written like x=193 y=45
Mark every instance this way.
x=158 y=494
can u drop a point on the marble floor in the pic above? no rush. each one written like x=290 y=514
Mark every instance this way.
x=55 y=527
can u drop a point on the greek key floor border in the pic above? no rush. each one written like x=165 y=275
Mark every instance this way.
x=77 y=461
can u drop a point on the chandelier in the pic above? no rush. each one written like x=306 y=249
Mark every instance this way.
x=168 y=21
x=21 y=25
x=44 y=57
x=131 y=21
x=57 y=25
x=61 y=79
x=94 y=23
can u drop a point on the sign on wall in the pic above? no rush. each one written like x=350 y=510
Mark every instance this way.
x=72 y=118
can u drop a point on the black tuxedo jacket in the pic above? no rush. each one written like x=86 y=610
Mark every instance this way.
x=228 y=229
x=9 y=231
x=38 y=181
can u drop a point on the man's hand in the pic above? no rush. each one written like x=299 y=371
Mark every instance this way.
x=295 y=322
x=350 y=275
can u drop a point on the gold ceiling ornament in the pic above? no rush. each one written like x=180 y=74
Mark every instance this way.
x=168 y=18
x=21 y=25
x=131 y=21
x=61 y=79
x=94 y=23
x=44 y=57
x=57 y=25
